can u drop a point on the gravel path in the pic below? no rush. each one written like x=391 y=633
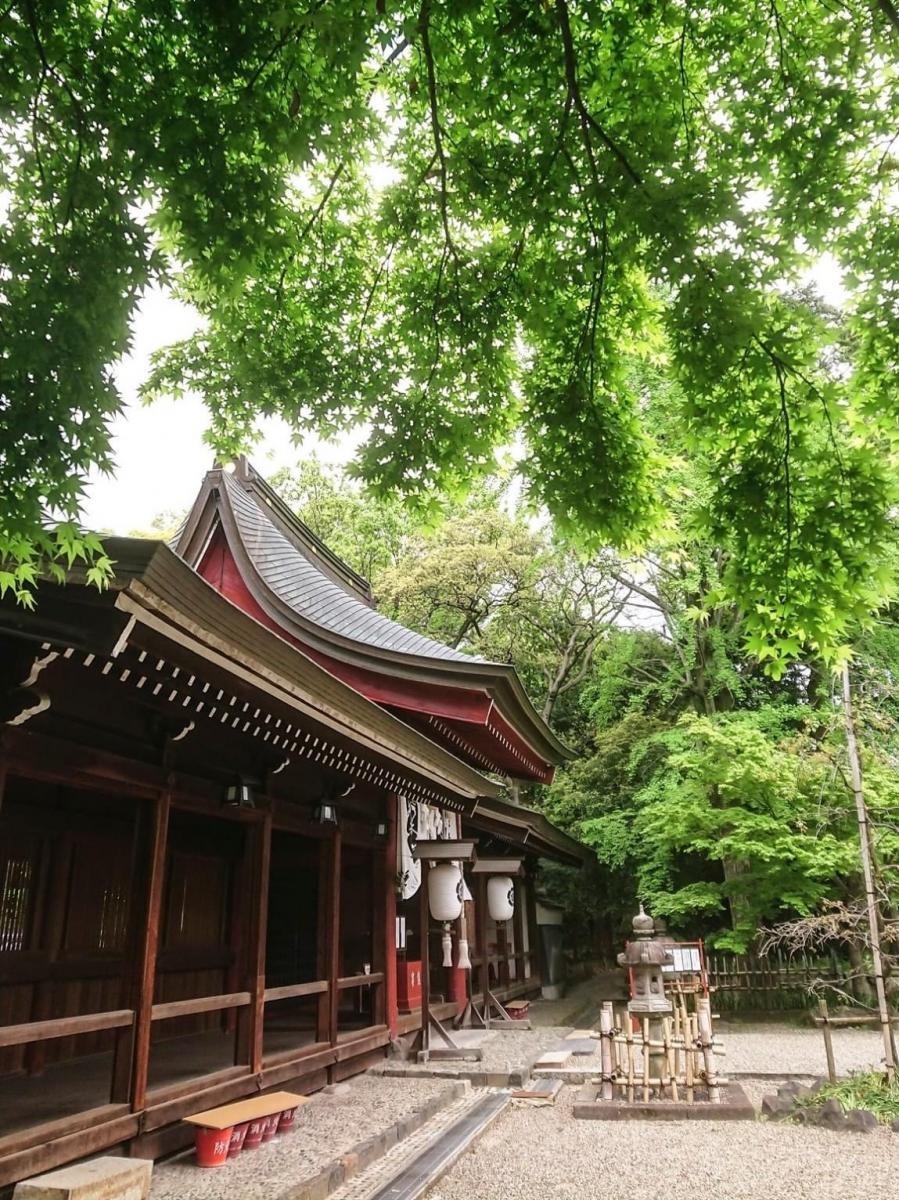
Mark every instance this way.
x=545 y=1154
x=327 y=1127
x=770 y=1048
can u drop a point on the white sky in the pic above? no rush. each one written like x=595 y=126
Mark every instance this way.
x=160 y=456
x=159 y=451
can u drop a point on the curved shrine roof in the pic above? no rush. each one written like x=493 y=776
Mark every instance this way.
x=246 y=541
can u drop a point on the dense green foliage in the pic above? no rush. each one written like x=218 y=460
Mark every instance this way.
x=871 y=1090
x=710 y=791
x=460 y=224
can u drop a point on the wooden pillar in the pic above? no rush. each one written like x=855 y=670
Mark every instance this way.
x=323 y=939
x=146 y=981
x=424 y=921
x=250 y=1047
x=481 y=918
x=52 y=933
x=536 y=953
x=334 y=935
x=388 y=1013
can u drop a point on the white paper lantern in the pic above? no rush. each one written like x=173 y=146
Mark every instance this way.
x=500 y=897
x=444 y=899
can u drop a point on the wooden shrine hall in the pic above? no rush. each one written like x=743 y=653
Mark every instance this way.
x=213 y=779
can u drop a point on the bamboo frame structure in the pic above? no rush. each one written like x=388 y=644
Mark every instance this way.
x=685 y=1051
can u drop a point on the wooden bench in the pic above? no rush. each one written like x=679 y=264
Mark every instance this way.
x=216 y=1126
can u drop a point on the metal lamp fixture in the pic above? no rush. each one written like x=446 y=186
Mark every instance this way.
x=239 y=795
x=326 y=813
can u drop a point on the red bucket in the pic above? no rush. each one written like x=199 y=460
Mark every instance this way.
x=271 y=1128
x=238 y=1137
x=287 y=1119
x=255 y=1131
x=213 y=1146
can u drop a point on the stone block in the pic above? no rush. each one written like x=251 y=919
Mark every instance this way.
x=830 y=1119
x=100 y=1179
x=894 y=1125
x=860 y=1120
x=831 y=1105
x=777 y=1108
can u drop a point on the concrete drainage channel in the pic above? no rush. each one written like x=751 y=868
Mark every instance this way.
x=413 y=1165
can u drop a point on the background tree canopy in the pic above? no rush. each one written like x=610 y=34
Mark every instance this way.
x=709 y=790
x=469 y=224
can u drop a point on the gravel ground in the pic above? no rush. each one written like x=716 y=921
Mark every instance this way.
x=771 y=1048
x=327 y=1127
x=545 y=1154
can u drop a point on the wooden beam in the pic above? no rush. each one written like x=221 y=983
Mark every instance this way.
x=334 y=936
x=317 y=988
x=388 y=877
x=37 y=1031
x=481 y=919
x=158 y=839
x=424 y=921
x=258 y=930
x=106 y=1130
x=202 y=1004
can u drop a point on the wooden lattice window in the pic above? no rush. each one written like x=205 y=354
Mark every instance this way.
x=17 y=884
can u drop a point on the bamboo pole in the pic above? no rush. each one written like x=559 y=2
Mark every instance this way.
x=704 y=1021
x=605 y=1050
x=864 y=838
x=629 y=1033
x=828 y=1040
x=688 y=1061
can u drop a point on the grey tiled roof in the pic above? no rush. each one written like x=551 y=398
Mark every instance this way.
x=302 y=585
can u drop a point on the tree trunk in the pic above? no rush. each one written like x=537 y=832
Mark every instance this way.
x=864 y=839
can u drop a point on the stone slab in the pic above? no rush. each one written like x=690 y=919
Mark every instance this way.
x=538 y=1091
x=578 y=1035
x=99 y=1179
x=735 y=1105
x=582 y=1046
x=553 y=1058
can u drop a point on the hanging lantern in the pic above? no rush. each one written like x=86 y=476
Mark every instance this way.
x=500 y=897
x=444 y=886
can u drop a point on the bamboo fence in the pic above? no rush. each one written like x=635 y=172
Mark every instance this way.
x=770 y=983
x=678 y=1065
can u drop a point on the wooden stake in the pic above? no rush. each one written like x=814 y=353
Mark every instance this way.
x=645 y=1031
x=828 y=1040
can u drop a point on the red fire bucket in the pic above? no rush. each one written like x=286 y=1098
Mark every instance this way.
x=271 y=1128
x=213 y=1146
x=287 y=1119
x=255 y=1131
x=238 y=1137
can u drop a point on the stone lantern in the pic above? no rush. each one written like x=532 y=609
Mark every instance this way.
x=645 y=957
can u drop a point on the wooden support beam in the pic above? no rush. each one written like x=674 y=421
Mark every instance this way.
x=262 y=856
x=391 y=1012
x=334 y=936
x=534 y=948
x=158 y=842
x=34 y=1031
x=481 y=920
x=424 y=920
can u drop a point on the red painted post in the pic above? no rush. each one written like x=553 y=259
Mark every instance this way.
x=391 y=805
